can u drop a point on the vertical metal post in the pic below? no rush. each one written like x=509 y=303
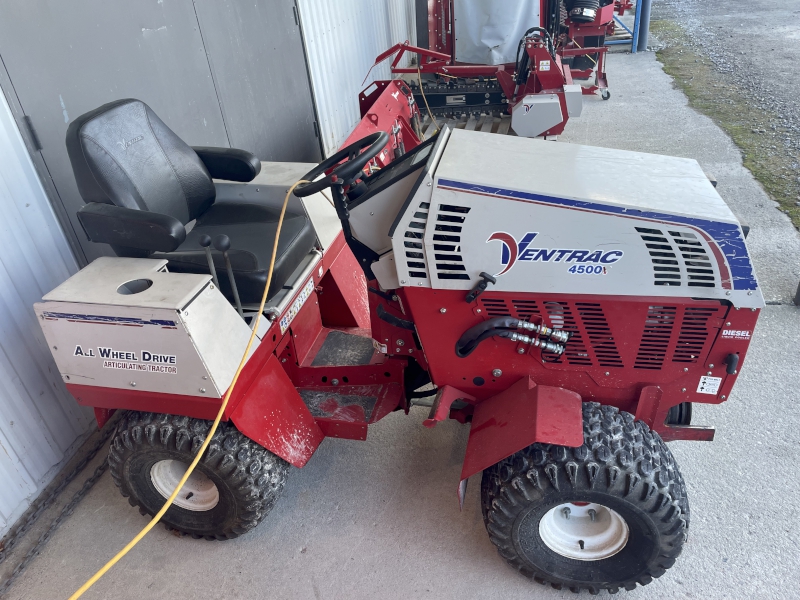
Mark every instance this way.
x=636 y=20
x=644 y=24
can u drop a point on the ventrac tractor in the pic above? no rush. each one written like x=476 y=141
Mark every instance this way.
x=569 y=319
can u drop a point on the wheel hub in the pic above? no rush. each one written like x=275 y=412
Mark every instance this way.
x=198 y=494
x=583 y=531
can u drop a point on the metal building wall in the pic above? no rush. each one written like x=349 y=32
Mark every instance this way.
x=40 y=423
x=342 y=39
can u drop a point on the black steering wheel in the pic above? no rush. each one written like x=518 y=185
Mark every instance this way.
x=348 y=171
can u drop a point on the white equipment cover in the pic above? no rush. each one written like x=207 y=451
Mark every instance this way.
x=488 y=31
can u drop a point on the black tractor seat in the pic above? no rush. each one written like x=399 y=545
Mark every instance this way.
x=143 y=185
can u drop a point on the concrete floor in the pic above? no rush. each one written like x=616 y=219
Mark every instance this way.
x=380 y=519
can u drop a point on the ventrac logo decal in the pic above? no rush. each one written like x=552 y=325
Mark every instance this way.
x=125 y=144
x=513 y=251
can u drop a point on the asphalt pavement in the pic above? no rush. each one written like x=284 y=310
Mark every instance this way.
x=380 y=519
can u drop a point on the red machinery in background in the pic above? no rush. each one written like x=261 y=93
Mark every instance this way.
x=537 y=90
x=388 y=106
x=577 y=28
x=581 y=37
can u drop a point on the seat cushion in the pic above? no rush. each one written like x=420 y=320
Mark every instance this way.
x=123 y=154
x=251 y=229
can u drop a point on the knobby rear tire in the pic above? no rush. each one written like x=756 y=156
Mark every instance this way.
x=248 y=477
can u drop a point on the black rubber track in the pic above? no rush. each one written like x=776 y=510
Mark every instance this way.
x=622 y=465
x=249 y=478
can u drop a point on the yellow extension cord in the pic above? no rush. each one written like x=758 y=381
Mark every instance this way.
x=217 y=420
x=419 y=79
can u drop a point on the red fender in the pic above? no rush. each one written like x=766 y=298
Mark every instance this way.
x=272 y=414
x=516 y=418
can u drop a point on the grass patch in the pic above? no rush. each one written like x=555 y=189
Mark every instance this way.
x=756 y=132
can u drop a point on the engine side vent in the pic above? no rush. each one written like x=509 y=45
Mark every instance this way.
x=666 y=269
x=415 y=257
x=591 y=342
x=658 y=327
x=678 y=257
x=447 y=242
x=693 y=334
x=699 y=271
x=561 y=317
x=525 y=309
x=599 y=334
x=495 y=307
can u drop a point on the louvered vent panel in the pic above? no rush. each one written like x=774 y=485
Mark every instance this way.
x=495 y=307
x=415 y=258
x=599 y=334
x=584 y=320
x=697 y=263
x=693 y=334
x=666 y=269
x=561 y=317
x=447 y=242
x=675 y=249
x=525 y=309
x=658 y=326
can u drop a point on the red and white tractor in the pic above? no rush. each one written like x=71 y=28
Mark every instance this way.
x=568 y=318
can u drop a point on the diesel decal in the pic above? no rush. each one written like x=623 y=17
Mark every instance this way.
x=512 y=252
x=736 y=334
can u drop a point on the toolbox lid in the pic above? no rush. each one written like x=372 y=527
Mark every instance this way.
x=124 y=282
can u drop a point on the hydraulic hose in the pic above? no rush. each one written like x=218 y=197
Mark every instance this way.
x=217 y=420
x=505 y=327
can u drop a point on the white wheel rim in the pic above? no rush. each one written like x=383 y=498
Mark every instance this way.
x=198 y=494
x=583 y=531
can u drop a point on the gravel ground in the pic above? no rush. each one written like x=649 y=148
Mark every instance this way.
x=755 y=42
x=753 y=47
x=380 y=519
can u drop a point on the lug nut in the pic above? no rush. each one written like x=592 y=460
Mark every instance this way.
x=592 y=514
x=565 y=511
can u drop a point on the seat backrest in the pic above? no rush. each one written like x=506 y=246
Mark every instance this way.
x=123 y=154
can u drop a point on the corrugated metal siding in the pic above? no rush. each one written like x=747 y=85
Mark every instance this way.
x=39 y=421
x=342 y=39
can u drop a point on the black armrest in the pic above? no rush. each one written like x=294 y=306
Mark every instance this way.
x=231 y=164
x=130 y=228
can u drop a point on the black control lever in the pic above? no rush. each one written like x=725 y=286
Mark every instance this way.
x=205 y=242
x=223 y=243
x=486 y=279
